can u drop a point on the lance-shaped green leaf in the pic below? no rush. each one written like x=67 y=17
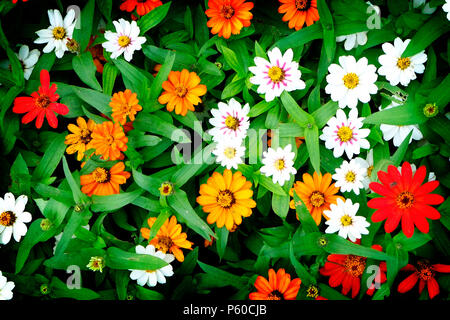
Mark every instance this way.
x=301 y=271
x=148 y=183
x=114 y=201
x=123 y=260
x=329 y=39
x=78 y=196
x=162 y=75
x=83 y=34
x=154 y=17
x=312 y=144
x=84 y=67
x=98 y=100
x=162 y=218
x=180 y=203
x=339 y=245
x=305 y=217
x=402 y=115
x=109 y=75
x=154 y=124
x=51 y=159
x=300 y=116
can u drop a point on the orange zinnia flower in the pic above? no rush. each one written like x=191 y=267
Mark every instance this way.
x=108 y=140
x=317 y=193
x=227 y=198
x=142 y=6
x=182 y=91
x=104 y=182
x=123 y=104
x=80 y=137
x=279 y=287
x=168 y=238
x=228 y=16
x=297 y=12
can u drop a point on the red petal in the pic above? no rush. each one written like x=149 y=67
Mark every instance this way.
x=355 y=287
x=419 y=220
x=392 y=221
x=23 y=104
x=384 y=178
x=380 y=203
x=51 y=118
x=40 y=119
x=380 y=189
x=418 y=178
x=444 y=268
x=433 y=199
x=422 y=284
x=30 y=116
x=408 y=283
x=427 y=211
x=408 y=267
x=407 y=224
x=433 y=288
x=426 y=188
x=380 y=215
x=45 y=79
x=406 y=174
x=59 y=108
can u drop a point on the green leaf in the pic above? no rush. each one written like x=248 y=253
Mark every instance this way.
x=114 y=201
x=222 y=239
x=153 y=18
x=298 y=114
x=222 y=277
x=261 y=107
x=148 y=183
x=98 y=100
x=78 y=196
x=233 y=88
x=123 y=260
x=329 y=39
x=301 y=271
x=269 y=185
x=109 y=75
x=339 y=245
x=398 y=258
x=83 y=34
x=84 y=67
x=312 y=144
x=60 y=289
x=427 y=34
x=135 y=79
x=399 y=154
x=232 y=60
x=280 y=205
x=300 y=37
x=154 y=124
x=402 y=115
x=147 y=294
x=51 y=158
x=162 y=75
x=417 y=240
x=324 y=113
x=180 y=203
x=162 y=218
x=305 y=217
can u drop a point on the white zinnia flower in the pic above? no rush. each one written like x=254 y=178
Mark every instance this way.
x=345 y=134
x=58 y=33
x=349 y=176
x=230 y=121
x=278 y=74
x=27 y=58
x=125 y=40
x=446 y=8
x=353 y=40
x=367 y=165
x=343 y=218
x=6 y=288
x=351 y=81
x=396 y=132
x=278 y=164
x=398 y=69
x=152 y=277
x=426 y=9
x=13 y=217
x=229 y=153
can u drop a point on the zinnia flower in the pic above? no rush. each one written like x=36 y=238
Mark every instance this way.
x=299 y=12
x=108 y=140
x=152 y=277
x=446 y=8
x=142 y=6
x=347 y=269
x=13 y=217
x=123 y=104
x=229 y=153
x=425 y=273
x=80 y=137
x=278 y=163
x=279 y=287
x=278 y=74
x=169 y=237
x=125 y=40
x=57 y=35
x=41 y=104
x=404 y=199
x=350 y=176
x=27 y=58
x=228 y=16
x=317 y=193
x=227 y=198
x=103 y=181
x=182 y=91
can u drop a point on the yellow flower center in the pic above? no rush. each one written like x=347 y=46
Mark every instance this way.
x=181 y=91
x=109 y=139
x=345 y=134
x=312 y=292
x=124 y=41
x=230 y=152
x=350 y=176
x=149 y=271
x=85 y=136
x=225 y=199
x=317 y=199
x=369 y=171
x=101 y=175
x=164 y=243
x=351 y=80
x=59 y=33
x=276 y=74
x=403 y=63
x=405 y=200
x=227 y=11
x=275 y=295
x=7 y=218
x=346 y=220
x=279 y=164
x=355 y=265
x=232 y=123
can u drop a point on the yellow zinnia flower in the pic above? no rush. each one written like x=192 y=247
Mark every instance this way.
x=80 y=137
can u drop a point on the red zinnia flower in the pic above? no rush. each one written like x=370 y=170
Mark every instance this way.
x=405 y=199
x=347 y=270
x=41 y=104
x=425 y=272
x=15 y=1
x=142 y=7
